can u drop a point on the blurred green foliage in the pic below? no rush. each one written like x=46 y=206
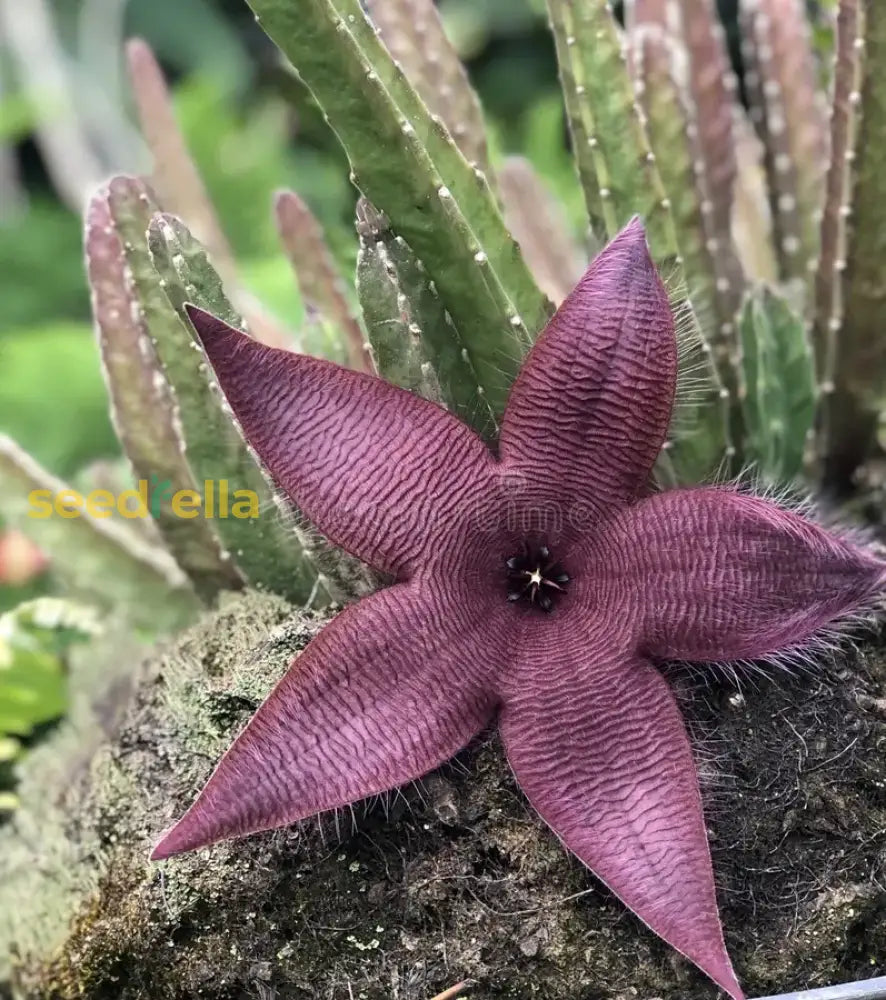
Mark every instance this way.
x=41 y=275
x=245 y=153
x=52 y=397
x=33 y=640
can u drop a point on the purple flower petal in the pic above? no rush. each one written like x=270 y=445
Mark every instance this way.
x=398 y=683
x=381 y=472
x=596 y=742
x=719 y=575
x=589 y=411
x=390 y=689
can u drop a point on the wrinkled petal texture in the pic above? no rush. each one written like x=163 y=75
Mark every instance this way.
x=597 y=743
x=383 y=473
x=590 y=409
x=390 y=689
x=720 y=575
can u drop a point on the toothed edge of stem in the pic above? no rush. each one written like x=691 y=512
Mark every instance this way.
x=712 y=88
x=415 y=342
x=787 y=111
x=174 y=176
x=406 y=163
x=691 y=62
x=143 y=408
x=779 y=395
x=663 y=13
x=179 y=185
x=279 y=551
x=413 y=33
x=832 y=258
x=319 y=280
x=263 y=551
x=672 y=131
x=855 y=409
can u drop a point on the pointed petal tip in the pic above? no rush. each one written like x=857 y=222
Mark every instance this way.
x=181 y=837
x=629 y=257
x=164 y=848
x=630 y=247
x=211 y=331
x=724 y=976
x=196 y=314
x=633 y=234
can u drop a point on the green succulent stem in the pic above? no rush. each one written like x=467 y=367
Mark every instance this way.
x=261 y=549
x=406 y=163
x=858 y=400
x=142 y=404
x=778 y=390
x=413 y=33
x=414 y=341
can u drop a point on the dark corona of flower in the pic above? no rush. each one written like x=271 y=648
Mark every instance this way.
x=535 y=576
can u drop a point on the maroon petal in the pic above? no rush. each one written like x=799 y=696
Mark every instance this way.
x=598 y=746
x=387 y=691
x=589 y=411
x=381 y=472
x=722 y=575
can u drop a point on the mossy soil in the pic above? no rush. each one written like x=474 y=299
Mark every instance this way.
x=450 y=880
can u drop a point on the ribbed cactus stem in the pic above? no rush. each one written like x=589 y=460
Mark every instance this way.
x=415 y=343
x=752 y=218
x=143 y=407
x=538 y=223
x=180 y=188
x=712 y=88
x=414 y=35
x=174 y=176
x=95 y=556
x=616 y=167
x=844 y=124
x=855 y=409
x=319 y=280
x=673 y=134
x=686 y=56
x=665 y=14
x=391 y=316
x=406 y=163
x=692 y=64
x=620 y=178
x=278 y=551
x=788 y=112
x=263 y=550
x=778 y=397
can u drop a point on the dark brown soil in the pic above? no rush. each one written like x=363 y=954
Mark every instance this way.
x=454 y=880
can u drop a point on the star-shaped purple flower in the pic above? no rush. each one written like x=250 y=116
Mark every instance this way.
x=538 y=585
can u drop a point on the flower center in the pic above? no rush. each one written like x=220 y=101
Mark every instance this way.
x=535 y=576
